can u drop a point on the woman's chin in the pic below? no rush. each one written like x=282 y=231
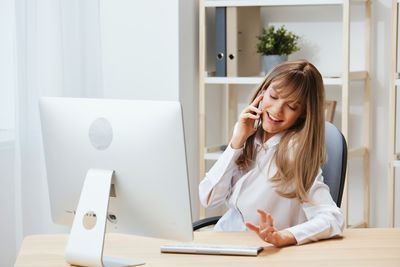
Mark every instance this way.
x=271 y=129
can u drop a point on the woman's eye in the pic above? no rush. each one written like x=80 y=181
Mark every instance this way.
x=292 y=108
x=273 y=97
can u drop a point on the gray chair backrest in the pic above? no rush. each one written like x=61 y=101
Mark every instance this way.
x=334 y=169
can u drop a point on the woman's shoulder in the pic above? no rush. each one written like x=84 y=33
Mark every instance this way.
x=319 y=179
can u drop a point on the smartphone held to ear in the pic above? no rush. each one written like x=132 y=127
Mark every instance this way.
x=258 y=122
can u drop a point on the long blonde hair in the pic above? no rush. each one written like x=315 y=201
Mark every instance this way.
x=301 y=150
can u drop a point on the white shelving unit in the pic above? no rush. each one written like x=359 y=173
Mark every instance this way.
x=343 y=80
x=393 y=158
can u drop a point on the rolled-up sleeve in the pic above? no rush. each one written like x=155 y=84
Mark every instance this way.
x=324 y=218
x=217 y=181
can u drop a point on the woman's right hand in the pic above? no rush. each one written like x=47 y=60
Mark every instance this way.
x=245 y=127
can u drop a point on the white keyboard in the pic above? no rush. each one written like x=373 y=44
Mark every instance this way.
x=193 y=248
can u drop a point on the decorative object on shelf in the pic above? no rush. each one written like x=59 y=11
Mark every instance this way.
x=330 y=107
x=216 y=148
x=276 y=46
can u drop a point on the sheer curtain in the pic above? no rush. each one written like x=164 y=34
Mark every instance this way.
x=57 y=54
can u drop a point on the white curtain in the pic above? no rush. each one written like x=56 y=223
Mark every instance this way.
x=57 y=54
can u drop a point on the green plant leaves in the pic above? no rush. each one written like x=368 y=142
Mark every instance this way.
x=277 y=42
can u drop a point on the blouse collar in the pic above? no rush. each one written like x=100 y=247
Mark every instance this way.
x=271 y=142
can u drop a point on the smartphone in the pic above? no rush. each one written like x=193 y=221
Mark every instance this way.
x=257 y=123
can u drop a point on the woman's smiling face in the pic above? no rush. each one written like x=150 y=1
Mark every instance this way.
x=279 y=113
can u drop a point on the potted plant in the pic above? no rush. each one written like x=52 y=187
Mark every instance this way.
x=276 y=45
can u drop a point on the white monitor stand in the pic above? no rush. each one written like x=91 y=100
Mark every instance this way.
x=86 y=240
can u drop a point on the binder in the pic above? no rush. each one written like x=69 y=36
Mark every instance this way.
x=242 y=28
x=220 y=39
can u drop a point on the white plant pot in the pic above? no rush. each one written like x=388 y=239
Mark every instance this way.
x=271 y=61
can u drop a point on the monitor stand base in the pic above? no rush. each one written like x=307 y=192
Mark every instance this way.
x=119 y=262
x=86 y=240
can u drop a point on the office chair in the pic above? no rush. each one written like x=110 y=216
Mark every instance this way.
x=333 y=171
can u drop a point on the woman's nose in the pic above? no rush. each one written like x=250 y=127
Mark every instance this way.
x=277 y=108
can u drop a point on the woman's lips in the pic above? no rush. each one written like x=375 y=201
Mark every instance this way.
x=273 y=120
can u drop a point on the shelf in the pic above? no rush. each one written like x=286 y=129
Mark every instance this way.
x=353 y=76
x=358 y=75
x=214 y=152
x=396 y=163
x=358 y=225
x=222 y=3
x=212 y=155
x=257 y=80
x=233 y=80
x=357 y=152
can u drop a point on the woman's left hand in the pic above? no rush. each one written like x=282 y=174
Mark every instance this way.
x=267 y=232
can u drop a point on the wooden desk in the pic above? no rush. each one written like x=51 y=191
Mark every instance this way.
x=359 y=247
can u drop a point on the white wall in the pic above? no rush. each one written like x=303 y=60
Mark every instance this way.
x=149 y=51
x=321 y=31
x=188 y=91
x=140 y=42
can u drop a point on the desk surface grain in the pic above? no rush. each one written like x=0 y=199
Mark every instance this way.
x=359 y=247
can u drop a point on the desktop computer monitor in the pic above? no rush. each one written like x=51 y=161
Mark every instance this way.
x=124 y=162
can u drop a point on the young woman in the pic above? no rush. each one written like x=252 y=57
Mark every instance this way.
x=270 y=174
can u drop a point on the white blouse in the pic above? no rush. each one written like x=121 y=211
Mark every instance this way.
x=245 y=192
